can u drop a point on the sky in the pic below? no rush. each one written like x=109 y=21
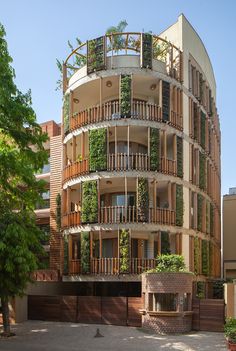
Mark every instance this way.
x=38 y=31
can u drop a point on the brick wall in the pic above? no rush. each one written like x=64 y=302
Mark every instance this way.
x=55 y=188
x=178 y=321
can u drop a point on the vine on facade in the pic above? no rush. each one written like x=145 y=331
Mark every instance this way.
x=205 y=257
x=154 y=149
x=179 y=205
x=146 y=53
x=125 y=95
x=124 y=248
x=96 y=55
x=199 y=211
x=66 y=113
x=66 y=258
x=196 y=255
x=165 y=101
x=98 y=149
x=58 y=212
x=203 y=129
x=165 y=243
x=90 y=202
x=143 y=200
x=179 y=157
x=202 y=171
x=85 y=252
x=211 y=219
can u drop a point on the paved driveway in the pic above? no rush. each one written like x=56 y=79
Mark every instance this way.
x=52 y=336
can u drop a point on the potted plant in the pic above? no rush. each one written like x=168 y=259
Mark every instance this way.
x=230 y=333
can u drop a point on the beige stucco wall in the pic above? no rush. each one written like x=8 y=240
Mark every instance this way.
x=230 y=299
x=229 y=234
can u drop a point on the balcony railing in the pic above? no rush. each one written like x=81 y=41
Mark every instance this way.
x=71 y=220
x=109 y=111
x=111 y=266
x=76 y=169
x=162 y=216
x=120 y=162
x=118 y=214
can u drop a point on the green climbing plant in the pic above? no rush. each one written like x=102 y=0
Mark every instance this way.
x=205 y=257
x=85 y=252
x=211 y=219
x=203 y=129
x=165 y=243
x=196 y=255
x=146 y=53
x=199 y=211
x=66 y=256
x=125 y=95
x=98 y=149
x=202 y=171
x=154 y=149
x=89 y=202
x=124 y=248
x=179 y=205
x=143 y=200
x=58 y=211
x=179 y=157
x=66 y=113
x=96 y=55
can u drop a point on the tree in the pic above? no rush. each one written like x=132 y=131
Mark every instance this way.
x=21 y=155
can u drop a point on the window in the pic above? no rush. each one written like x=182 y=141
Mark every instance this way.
x=163 y=302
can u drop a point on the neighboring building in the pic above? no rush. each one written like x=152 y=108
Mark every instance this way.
x=141 y=158
x=229 y=234
x=45 y=218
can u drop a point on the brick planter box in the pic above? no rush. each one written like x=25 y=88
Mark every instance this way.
x=167 y=302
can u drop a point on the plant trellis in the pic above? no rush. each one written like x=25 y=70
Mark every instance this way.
x=146 y=51
x=125 y=95
x=98 y=149
x=179 y=205
x=124 y=250
x=199 y=211
x=66 y=113
x=85 y=252
x=89 y=202
x=165 y=101
x=202 y=171
x=205 y=257
x=154 y=149
x=179 y=157
x=143 y=200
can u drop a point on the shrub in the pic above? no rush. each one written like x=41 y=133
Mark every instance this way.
x=170 y=263
x=230 y=330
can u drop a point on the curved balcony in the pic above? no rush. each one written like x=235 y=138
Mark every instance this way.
x=149 y=49
x=124 y=215
x=121 y=162
x=111 y=266
x=110 y=111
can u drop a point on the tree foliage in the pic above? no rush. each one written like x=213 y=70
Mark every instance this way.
x=21 y=155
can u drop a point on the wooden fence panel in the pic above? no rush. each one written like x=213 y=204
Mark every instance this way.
x=68 y=309
x=89 y=309
x=134 y=318
x=114 y=310
x=208 y=314
x=44 y=307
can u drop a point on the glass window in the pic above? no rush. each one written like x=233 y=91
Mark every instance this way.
x=165 y=302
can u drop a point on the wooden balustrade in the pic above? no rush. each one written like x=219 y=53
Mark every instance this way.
x=75 y=266
x=141 y=110
x=76 y=169
x=71 y=220
x=162 y=216
x=111 y=266
x=118 y=214
x=168 y=166
x=124 y=162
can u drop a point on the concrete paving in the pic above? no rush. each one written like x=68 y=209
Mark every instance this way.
x=57 y=336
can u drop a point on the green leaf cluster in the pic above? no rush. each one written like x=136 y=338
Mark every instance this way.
x=58 y=211
x=124 y=248
x=196 y=255
x=143 y=200
x=179 y=205
x=89 y=202
x=154 y=149
x=179 y=157
x=98 y=149
x=170 y=263
x=117 y=41
x=85 y=252
x=125 y=95
x=230 y=330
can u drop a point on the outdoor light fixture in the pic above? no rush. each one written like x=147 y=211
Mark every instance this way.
x=76 y=101
x=109 y=84
x=153 y=86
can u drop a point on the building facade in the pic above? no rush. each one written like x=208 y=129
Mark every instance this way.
x=229 y=237
x=141 y=158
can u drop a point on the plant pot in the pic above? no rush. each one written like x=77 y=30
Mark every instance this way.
x=231 y=346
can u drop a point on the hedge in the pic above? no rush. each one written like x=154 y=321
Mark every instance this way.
x=179 y=205
x=143 y=200
x=98 y=149
x=154 y=149
x=89 y=202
